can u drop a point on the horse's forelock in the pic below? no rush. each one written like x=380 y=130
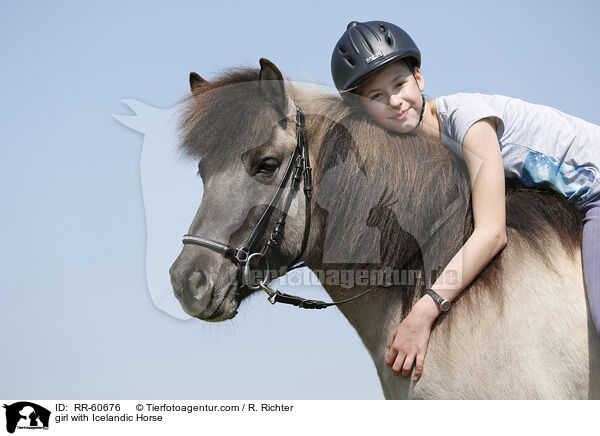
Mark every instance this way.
x=226 y=116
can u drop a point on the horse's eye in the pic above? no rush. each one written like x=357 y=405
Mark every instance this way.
x=267 y=166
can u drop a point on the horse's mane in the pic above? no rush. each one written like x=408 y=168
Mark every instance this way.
x=420 y=177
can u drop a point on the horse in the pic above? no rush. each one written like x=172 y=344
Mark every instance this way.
x=520 y=330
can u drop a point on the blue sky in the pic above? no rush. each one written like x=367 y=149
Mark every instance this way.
x=74 y=305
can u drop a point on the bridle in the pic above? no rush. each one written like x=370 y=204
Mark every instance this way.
x=298 y=168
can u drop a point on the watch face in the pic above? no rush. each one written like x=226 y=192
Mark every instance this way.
x=445 y=305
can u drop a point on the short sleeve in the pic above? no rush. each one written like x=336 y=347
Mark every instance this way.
x=458 y=112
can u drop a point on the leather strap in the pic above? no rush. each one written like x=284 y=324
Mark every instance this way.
x=303 y=303
x=226 y=250
x=442 y=303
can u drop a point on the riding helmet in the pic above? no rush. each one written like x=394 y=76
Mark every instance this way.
x=366 y=47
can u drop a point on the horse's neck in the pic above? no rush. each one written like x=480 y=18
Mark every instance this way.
x=376 y=315
x=373 y=315
x=369 y=212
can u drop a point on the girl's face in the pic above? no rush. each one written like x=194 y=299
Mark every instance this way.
x=392 y=97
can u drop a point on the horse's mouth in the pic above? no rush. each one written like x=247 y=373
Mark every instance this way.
x=225 y=309
x=235 y=295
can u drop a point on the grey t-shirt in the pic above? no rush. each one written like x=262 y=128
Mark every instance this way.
x=539 y=145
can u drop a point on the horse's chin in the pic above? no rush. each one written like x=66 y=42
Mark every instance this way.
x=227 y=309
x=223 y=313
x=222 y=317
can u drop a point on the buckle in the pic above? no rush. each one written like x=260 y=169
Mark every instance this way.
x=272 y=295
x=241 y=255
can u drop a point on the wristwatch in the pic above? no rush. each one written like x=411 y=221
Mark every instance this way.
x=443 y=304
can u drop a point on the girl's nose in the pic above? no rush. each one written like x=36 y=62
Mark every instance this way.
x=395 y=100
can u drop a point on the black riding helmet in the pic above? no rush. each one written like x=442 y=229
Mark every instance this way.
x=366 y=47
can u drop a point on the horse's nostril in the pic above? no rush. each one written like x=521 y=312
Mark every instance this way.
x=198 y=280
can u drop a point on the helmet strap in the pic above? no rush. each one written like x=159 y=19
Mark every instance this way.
x=422 y=110
x=422 y=96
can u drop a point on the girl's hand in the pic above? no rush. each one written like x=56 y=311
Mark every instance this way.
x=409 y=342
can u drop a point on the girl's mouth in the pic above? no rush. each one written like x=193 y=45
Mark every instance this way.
x=401 y=115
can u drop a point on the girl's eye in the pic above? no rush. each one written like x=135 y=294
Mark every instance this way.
x=399 y=84
x=375 y=96
x=267 y=166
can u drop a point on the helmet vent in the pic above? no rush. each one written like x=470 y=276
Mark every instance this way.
x=342 y=49
x=350 y=60
x=382 y=28
x=389 y=40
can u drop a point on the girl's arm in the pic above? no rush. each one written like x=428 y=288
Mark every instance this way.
x=484 y=162
x=481 y=151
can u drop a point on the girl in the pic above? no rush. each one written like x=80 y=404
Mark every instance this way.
x=495 y=135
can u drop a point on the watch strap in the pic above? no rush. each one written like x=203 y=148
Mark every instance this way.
x=442 y=303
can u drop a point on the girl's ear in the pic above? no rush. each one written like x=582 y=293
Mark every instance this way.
x=420 y=79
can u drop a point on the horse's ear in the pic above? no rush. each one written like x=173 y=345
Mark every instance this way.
x=271 y=83
x=196 y=81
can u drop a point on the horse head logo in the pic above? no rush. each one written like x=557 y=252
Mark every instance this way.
x=26 y=414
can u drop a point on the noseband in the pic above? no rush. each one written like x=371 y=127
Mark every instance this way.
x=298 y=167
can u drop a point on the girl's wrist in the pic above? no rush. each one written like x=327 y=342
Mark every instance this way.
x=427 y=308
